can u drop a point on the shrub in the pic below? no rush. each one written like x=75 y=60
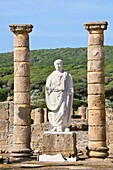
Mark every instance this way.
x=3 y=94
x=77 y=103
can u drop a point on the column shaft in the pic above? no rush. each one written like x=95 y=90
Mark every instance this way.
x=22 y=119
x=96 y=90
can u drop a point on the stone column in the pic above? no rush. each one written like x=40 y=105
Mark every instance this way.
x=96 y=90
x=22 y=119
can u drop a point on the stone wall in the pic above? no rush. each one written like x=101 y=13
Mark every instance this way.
x=40 y=124
x=6 y=126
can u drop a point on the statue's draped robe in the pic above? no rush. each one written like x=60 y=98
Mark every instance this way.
x=59 y=97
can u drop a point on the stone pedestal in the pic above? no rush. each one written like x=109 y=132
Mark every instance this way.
x=96 y=90
x=22 y=119
x=60 y=143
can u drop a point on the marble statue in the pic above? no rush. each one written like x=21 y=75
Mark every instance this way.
x=59 y=97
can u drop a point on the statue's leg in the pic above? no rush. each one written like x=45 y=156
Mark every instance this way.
x=59 y=128
x=54 y=129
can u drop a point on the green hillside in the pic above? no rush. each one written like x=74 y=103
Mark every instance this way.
x=75 y=61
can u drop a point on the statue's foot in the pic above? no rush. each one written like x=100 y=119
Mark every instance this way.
x=67 y=130
x=54 y=129
x=59 y=129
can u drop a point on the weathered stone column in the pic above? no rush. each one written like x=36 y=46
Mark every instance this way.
x=96 y=90
x=22 y=119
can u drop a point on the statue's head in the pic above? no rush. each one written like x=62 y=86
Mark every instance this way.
x=58 y=64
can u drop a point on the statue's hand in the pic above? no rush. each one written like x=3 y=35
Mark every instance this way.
x=49 y=90
x=71 y=91
x=59 y=89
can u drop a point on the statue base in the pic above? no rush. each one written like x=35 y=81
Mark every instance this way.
x=63 y=143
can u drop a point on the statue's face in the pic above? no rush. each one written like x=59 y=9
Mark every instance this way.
x=58 y=66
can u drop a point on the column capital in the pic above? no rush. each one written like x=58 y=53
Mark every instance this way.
x=21 y=28
x=94 y=26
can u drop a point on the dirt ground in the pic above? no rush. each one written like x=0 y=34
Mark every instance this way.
x=85 y=164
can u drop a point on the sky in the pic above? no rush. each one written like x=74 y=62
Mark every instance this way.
x=56 y=23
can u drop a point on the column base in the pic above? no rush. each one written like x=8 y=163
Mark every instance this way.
x=101 y=152
x=21 y=154
x=18 y=155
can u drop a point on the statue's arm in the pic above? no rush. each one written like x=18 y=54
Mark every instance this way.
x=70 y=88
x=48 y=86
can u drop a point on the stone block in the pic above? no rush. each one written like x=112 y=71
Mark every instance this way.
x=95 y=53
x=21 y=40
x=11 y=109
x=33 y=114
x=111 y=147
x=39 y=116
x=96 y=144
x=11 y=120
x=34 y=137
x=96 y=65
x=4 y=110
x=110 y=151
x=81 y=139
x=22 y=115
x=4 y=138
x=37 y=141
x=97 y=133
x=110 y=127
x=82 y=112
x=22 y=98
x=95 y=39
x=95 y=78
x=21 y=147
x=33 y=146
x=37 y=134
x=59 y=142
x=96 y=117
x=4 y=126
x=41 y=127
x=21 y=69
x=98 y=154
x=21 y=55
x=96 y=102
x=96 y=89
x=111 y=137
x=23 y=137
x=3 y=148
x=22 y=84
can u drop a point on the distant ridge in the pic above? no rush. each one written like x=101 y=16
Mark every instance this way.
x=41 y=65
